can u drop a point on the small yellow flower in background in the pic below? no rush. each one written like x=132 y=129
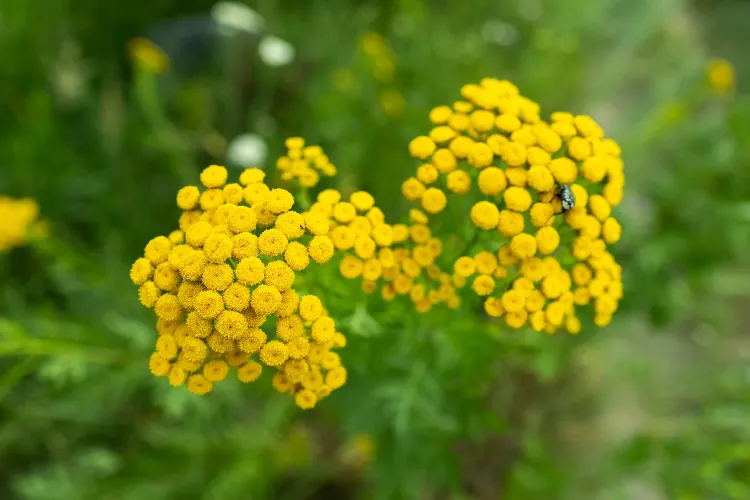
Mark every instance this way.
x=19 y=222
x=148 y=56
x=720 y=75
x=231 y=268
x=392 y=102
x=305 y=164
x=381 y=58
x=358 y=451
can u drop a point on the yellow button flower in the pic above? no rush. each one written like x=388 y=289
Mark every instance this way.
x=274 y=353
x=507 y=123
x=555 y=313
x=296 y=256
x=564 y=170
x=538 y=156
x=187 y=197
x=547 y=240
x=611 y=231
x=272 y=242
x=464 y=266
x=214 y=176
x=483 y=285
x=482 y=120
x=534 y=301
x=292 y=224
x=383 y=235
x=249 y=372
x=279 y=275
x=217 y=276
x=523 y=245
x=233 y=193
x=141 y=271
x=513 y=301
x=459 y=122
x=323 y=329
x=427 y=173
x=442 y=134
x=422 y=147
x=510 y=223
x=157 y=250
x=412 y=189
x=581 y=274
x=516 y=319
x=344 y=211
x=199 y=384
x=461 y=145
x=166 y=277
x=265 y=299
x=514 y=154
x=485 y=215
x=587 y=127
x=459 y=182
x=211 y=199
x=524 y=136
x=493 y=307
x=599 y=207
x=579 y=148
x=236 y=297
x=218 y=248
x=434 y=200
x=553 y=286
x=252 y=176
x=480 y=155
x=540 y=178
x=250 y=271
x=548 y=140
x=320 y=249
x=517 y=199
x=533 y=269
x=350 y=267
x=440 y=114
x=187 y=292
x=208 y=304
x=231 y=325
x=492 y=181
x=486 y=262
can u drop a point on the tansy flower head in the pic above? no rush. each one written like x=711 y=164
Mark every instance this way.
x=214 y=283
x=546 y=193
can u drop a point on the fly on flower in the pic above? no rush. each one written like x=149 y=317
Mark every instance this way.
x=567 y=199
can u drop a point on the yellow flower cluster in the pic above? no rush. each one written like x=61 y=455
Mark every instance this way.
x=494 y=146
x=228 y=271
x=400 y=257
x=18 y=218
x=304 y=163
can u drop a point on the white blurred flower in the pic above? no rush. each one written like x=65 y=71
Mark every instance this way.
x=70 y=74
x=499 y=32
x=275 y=52
x=530 y=10
x=247 y=151
x=234 y=16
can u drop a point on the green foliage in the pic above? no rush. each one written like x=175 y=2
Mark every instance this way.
x=458 y=407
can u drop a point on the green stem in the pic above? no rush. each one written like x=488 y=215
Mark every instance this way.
x=471 y=243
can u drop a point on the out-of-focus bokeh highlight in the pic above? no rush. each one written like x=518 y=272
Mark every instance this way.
x=106 y=111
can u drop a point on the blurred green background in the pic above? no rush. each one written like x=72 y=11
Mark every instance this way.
x=654 y=406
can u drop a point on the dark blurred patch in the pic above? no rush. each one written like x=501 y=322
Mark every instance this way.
x=190 y=42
